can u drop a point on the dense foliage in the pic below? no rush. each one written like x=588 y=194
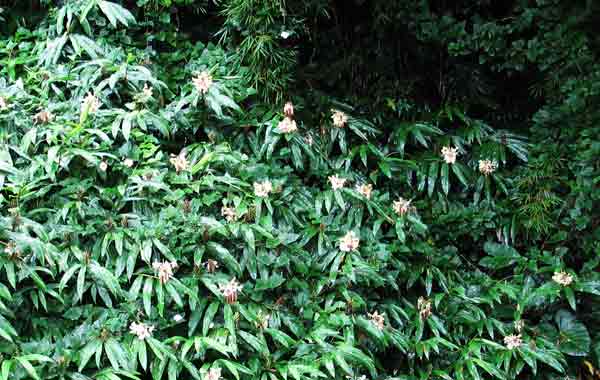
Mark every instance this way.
x=269 y=189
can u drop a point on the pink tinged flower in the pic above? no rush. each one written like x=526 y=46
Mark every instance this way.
x=43 y=117
x=203 y=82
x=147 y=91
x=128 y=162
x=211 y=266
x=424 y=306
x=378 y=320
x=562 y=278
x=365 y=190
x=339 y=118
x=10 y=248
x=401 y=206
x=213 y=374
x=230 y=290
x=179 y=162
x=449 y=154
x=519 y=325
x=288 y=109
x=103 y=166
x=142 y=330
x=287 y=125
x=262 y=189
x=487 y=167
x=349 y=242
x=90 y=103
x=336 y=182
x=164 y=270
x=178 y=318
x=513 y=341
x=229 y=213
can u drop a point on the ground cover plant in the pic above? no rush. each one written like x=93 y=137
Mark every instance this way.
x=270 y=189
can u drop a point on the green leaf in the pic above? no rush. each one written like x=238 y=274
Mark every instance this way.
x=114 y=12
x=573 y=338
x=28 y=367
x=87 y=351
x=257 y=344
x=147 y=296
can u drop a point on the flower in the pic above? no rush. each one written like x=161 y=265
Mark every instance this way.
x=103 y=166
x=178 y=318
x=288 y=109
x=229 y=213
x=519 y=325
x=424 y=306
x=128 y=162
x=142 y=330
x=165 y=270
x=10 y=248
x=90 y=103
x=285 y=35
x=43 y=117
x=562 y=278
x=513 y=341
x=263 y=320
x=147 y=91
x=262 y=189
x=287 y=125
x=377 y=319
x=211 y=265
x=349 y=242
x=401 y=206
x=203 y=82
x=179 y=161
x=339 y=118
x=213 y=374
x=449 y=154
x=365 y=190
x=336 y=182
x=3 y=104
x=487 y=167
x=230 y=290
x=309 y=140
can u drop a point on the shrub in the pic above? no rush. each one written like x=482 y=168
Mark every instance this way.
x=171 y=211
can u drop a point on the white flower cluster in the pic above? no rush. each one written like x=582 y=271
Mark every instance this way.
x=179 y=162
x=349 y=242
x=229 y=213
x=142 y=330
x=513 y=341
x=377 y=319
x=337 y=182
x=365 y=190
x=203 y=82
x=424 y=306
x=230 y=290
x=164 y=270
x=90 y=104
x=449 y=154
x=263 y=189
x=562 y=278
x=287 y=125
x=339 y=118
x=401 y=206
x=213 y=374
x=487 y=167
x=43 y=117
x=211 y=265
